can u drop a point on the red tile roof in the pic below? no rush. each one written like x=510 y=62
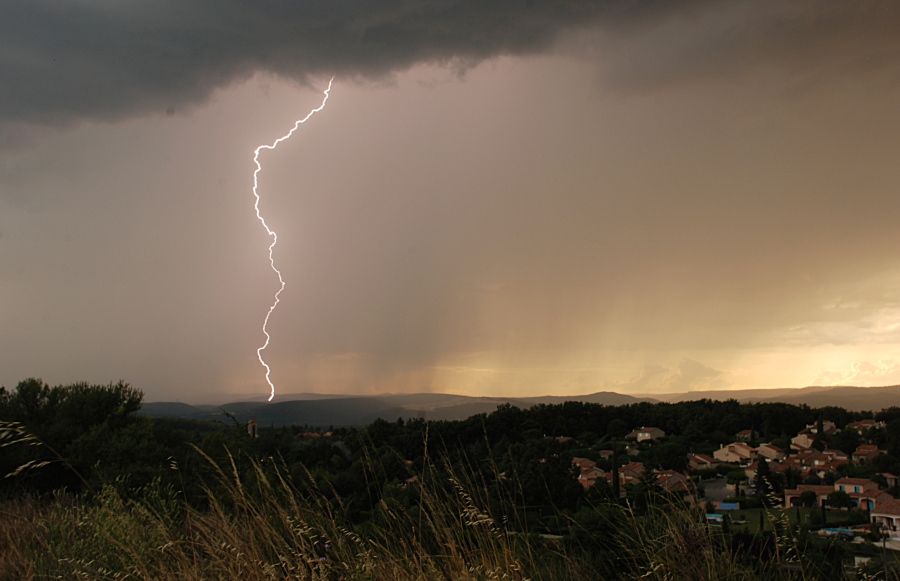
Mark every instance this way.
x=890 y=506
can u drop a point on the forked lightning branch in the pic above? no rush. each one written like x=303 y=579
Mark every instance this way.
x=273 y=234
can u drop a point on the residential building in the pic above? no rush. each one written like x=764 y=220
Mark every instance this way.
x=736 y=452
x=642 y=434
x=863 y=426
x=828 y=428
x=632 y=469
x=746 y=435
x=864 y=492
x=771 y=452
x=588 y=472
x=802 y=442
x=866 y=453
x=672 y=481
x=792 y=497
x=887 y=513
x=702 y=462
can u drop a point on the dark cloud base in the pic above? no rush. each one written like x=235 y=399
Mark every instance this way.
x=65 y=62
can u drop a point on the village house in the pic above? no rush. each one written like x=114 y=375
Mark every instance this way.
x=702 y=462
x=800 y=460
x=668 y=480
x=642 y=434
x=866 y=453
x=805 y=437
x=736 y=453
x=746 y=435
x=672 y=481
x=771 y=452
x=835 y=454
x=887 y=514
x=750 y=469
x=828 y=428
x=827 y=460
x=821 y=470
x=812 y=461
x=862 y=426
x=588 y=472
x=865 y=493
x=802 y=442
x=590 y=477
x=584 y=463
x=623 y=480
x=632 y=470
x=792 y=497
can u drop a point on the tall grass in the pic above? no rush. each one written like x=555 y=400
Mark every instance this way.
x=265 y=526
x=259 y=528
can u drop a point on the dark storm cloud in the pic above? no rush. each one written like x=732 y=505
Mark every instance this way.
x=62 y=61
x=818 y=41
x=65 y=61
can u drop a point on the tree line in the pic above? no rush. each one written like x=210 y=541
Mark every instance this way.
x=90 y=436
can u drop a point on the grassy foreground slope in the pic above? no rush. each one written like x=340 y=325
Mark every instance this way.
x=266 y=527
x=96 y=491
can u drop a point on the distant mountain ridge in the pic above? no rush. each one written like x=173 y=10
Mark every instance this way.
x=363 y=410
x=345 y=410
x=847 y=397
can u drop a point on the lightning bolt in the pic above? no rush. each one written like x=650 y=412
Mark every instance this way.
x=272 y=232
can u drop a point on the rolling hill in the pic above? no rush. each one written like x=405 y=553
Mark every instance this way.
x=323 y=411
x=360 y=411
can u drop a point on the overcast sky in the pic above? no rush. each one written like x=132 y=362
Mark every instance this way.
x=499 y=198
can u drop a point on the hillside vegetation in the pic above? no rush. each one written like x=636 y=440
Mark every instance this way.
x=98 y=492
